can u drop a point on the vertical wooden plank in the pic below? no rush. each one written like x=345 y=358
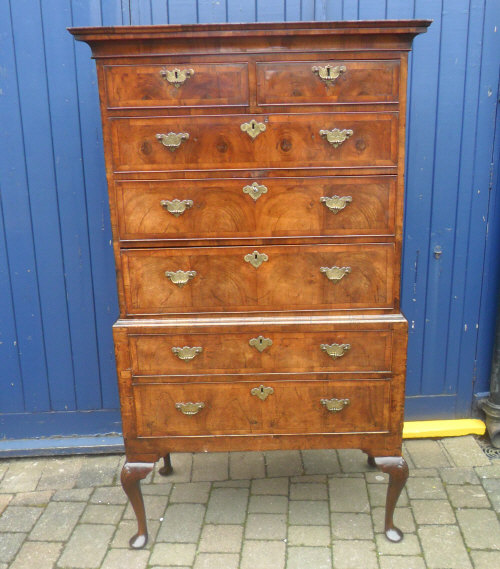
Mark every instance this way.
x=141 y=12
x=307 y=10
x=212 y=11
x=333 y=10
x=241 y=11
x=350 y=10
x=292 y=10
x=182 y=12
x=159 y=11
x=270 y=11
x=372 y=9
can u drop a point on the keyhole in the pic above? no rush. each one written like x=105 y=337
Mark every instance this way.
x=328 y=71
x=176 y=74
x=262 y=390
x=255 y=256
x=260 y=341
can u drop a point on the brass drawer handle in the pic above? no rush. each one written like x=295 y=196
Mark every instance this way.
x=335 y=350
x=336 y=203
x=176 y=77
x=336 y=136
x=172 y=140
x=262 y=392
x=255 y=190
x=186 y=353
x=180 y=278
x=335 y=405
x=176 y=207
x=256 y=259
x=328 y=73
x=260 y=343
x=335 y=274
x=190 y=408
x=253 y=128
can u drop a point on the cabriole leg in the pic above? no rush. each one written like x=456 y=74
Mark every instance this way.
x=397 y=469
x=166 y=469
x=132 y=474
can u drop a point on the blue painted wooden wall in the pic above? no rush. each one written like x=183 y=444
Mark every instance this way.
x=57 y=291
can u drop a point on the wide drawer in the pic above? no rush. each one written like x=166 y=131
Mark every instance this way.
x=288 y=141
x=176 y=85
x=274 y=207
x=327 y=81
x=291 y=407
x=262 y=350
x=278 y=277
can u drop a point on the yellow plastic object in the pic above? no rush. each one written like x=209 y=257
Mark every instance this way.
x=452 y=428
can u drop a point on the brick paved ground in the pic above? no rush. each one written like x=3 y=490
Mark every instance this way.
x=277 y=510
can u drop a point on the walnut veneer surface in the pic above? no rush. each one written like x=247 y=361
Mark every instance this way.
x=255 y=177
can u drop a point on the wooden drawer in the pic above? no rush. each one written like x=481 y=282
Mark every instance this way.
x=273 y=207
x=146 y=86
x=289 y=141
x=295 y=82
x=292 y=407
x=261 y=350
x=223 y=279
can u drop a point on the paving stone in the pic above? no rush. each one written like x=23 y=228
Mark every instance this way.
x=76 y=495
x=309 y=479
x=403 y=519
x=221 y=539
x=57 y=521
x=320 y=461
x=22 y=476
x=490 y=471
x=308 y=512
x=102 y=514
x=283 y=463
x=353 y=460
x=4 y=501
x=427 y=453
x=170 y=567
x=9 y=545
x=443 y=547
x=278 y=486
x=465 y=451
x=217 y=561
x=19 y=518
x=4 y=466
x=480 y=528
x=354 y=554
x=472 y=496
x=401 y=562
x=182 y=464
x=268 y=504
x=425 y=489
x=210 y=466
x=227 y=506
x=97 y=471
x=432 y=512
x=41 y=555
x=155 y=490
x=263 y=555
x=351 y=526
x=232 y=484
x=191 y=492
x=377 y=477
x=155 y=507
x=87 y=546
x=308 y=492
x=127 y=528
x=182 y=523
x=408 y=546
x=265 y=526
x=492 y=487
x=173 y=554
x=109 y=495
x=459 y=476
x=424 y=472
x=60 y=473
x=314 y=536
x=32 y=498
x=246 y=465
x=348 y=495
x=378 y=493
x=120 y=558
x=407 y=457
x=485 y=559
x=301 y=557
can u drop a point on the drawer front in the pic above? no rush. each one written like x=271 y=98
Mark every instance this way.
x=289 y=277
x=291 y=407
x=274 y=207
x=264 y=350
x=176 y=85
x=288 y=141
x=328 y=81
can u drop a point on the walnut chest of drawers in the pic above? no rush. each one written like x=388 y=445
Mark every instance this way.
x=255 y=178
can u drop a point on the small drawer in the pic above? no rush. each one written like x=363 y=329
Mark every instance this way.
x=176 y=85
x=327 y=140
x=261 y=350
x=270 y=278
x=262 y=407
x=273 y=207
x=327 y=82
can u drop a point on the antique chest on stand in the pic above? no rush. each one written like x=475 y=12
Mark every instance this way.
x=255 y=176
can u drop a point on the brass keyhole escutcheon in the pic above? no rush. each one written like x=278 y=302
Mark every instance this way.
x=262 y=392
x=253 y=128
x=256 y=259
x=255 y=190
x=176 y=77
x=329 y=73
x=260 y=343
